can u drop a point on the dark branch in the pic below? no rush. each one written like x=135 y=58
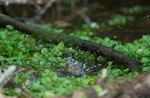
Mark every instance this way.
x=74 y=42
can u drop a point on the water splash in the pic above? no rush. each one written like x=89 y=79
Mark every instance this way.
x=78 y=68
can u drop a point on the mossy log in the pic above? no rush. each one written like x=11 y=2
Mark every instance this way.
x=74 y=42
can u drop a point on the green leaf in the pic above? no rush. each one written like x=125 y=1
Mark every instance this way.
x=9 y=27
x=18 y=91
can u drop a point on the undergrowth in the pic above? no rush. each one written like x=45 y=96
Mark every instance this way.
x=38 y=61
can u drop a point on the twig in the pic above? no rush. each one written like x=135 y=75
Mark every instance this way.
x=84 y=16
x=41 y=11
x=48 y=5
x=7 y=75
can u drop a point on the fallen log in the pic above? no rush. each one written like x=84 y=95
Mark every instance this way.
x=74 y=42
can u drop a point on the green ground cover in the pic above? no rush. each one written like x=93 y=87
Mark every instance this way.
x=41 y=58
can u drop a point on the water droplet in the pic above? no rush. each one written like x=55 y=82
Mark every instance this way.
x=81 y=52
x=115 y=37
x=147 y=16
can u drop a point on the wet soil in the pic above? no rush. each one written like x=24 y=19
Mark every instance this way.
x=131 y=31
x=98 y=12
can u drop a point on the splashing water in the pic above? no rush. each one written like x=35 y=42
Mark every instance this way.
x=77 y=68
